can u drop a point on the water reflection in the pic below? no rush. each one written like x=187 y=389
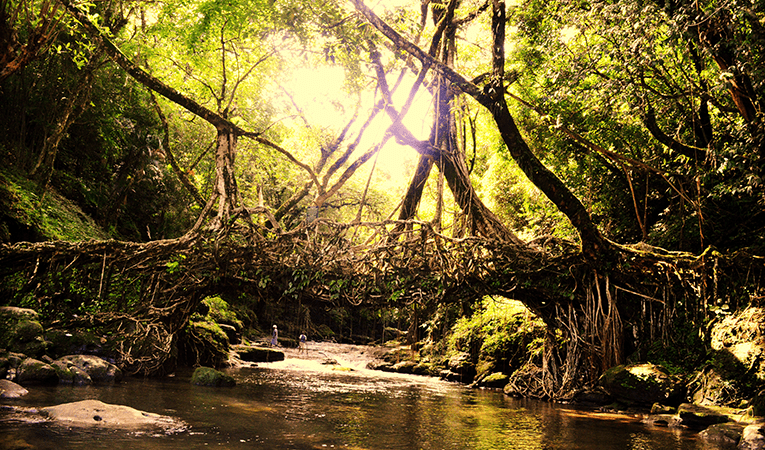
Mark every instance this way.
x=286 y=407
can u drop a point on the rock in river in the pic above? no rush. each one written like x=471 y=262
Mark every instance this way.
x=207 y=376
x=94 y=413
x=258 y=354
x=94 y=369
x=642 y=384
x=9 y=389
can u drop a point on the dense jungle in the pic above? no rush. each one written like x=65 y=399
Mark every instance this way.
x=523 y=194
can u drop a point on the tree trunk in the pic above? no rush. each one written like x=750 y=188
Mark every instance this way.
x=225 y=178
x=416 y=186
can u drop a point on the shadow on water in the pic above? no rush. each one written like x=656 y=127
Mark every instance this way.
x=304 y=405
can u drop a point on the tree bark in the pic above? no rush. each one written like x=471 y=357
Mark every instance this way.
x=225 y=178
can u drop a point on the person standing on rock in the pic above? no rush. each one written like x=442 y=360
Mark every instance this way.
x=274 y=337
x=301 y=344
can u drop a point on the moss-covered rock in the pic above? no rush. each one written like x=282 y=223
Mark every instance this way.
x=642 y=384
x=258 y=354
x=68 y=374
x=89 y=367
x=700 y=417
x=21 y=331
x=494 y=380
x=404 y=367
x=33 y=371
x=207 y=376
x=424 y=368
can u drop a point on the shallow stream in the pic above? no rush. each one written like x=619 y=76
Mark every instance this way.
x=304 y=404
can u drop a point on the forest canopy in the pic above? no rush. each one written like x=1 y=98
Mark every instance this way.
x=566 y=154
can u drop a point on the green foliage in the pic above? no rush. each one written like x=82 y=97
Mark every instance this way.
x=683 y=352
x=521 y=205
x=602 y=71
x=175 y=265
x=27 y=217
x=219 y=311
x=501 y=335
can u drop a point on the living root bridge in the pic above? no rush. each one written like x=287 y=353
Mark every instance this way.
x=147 y=292
x=354 y=264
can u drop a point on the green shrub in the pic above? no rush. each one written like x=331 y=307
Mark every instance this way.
x=500 y=335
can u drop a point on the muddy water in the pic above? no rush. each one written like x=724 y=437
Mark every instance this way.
x=304 y=404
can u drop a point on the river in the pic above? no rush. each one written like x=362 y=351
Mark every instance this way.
x=304 y=404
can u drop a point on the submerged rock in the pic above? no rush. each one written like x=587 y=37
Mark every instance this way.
x=723 y=433
x=700 y=417
x=94 y=413
x=207 y=376
x=9 y=389
x=595 y=395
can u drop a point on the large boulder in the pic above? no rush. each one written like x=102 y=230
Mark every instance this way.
x=742 y=335
x=33 y=371
x=94 y=413
x=642 y=384
x=207 y=376
x=726 y=434
x=88 y=368
x=462 y=365
x=753 y=437
x=404 y=366
x=9 y=389
x=70 y=374
x=21 y=331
